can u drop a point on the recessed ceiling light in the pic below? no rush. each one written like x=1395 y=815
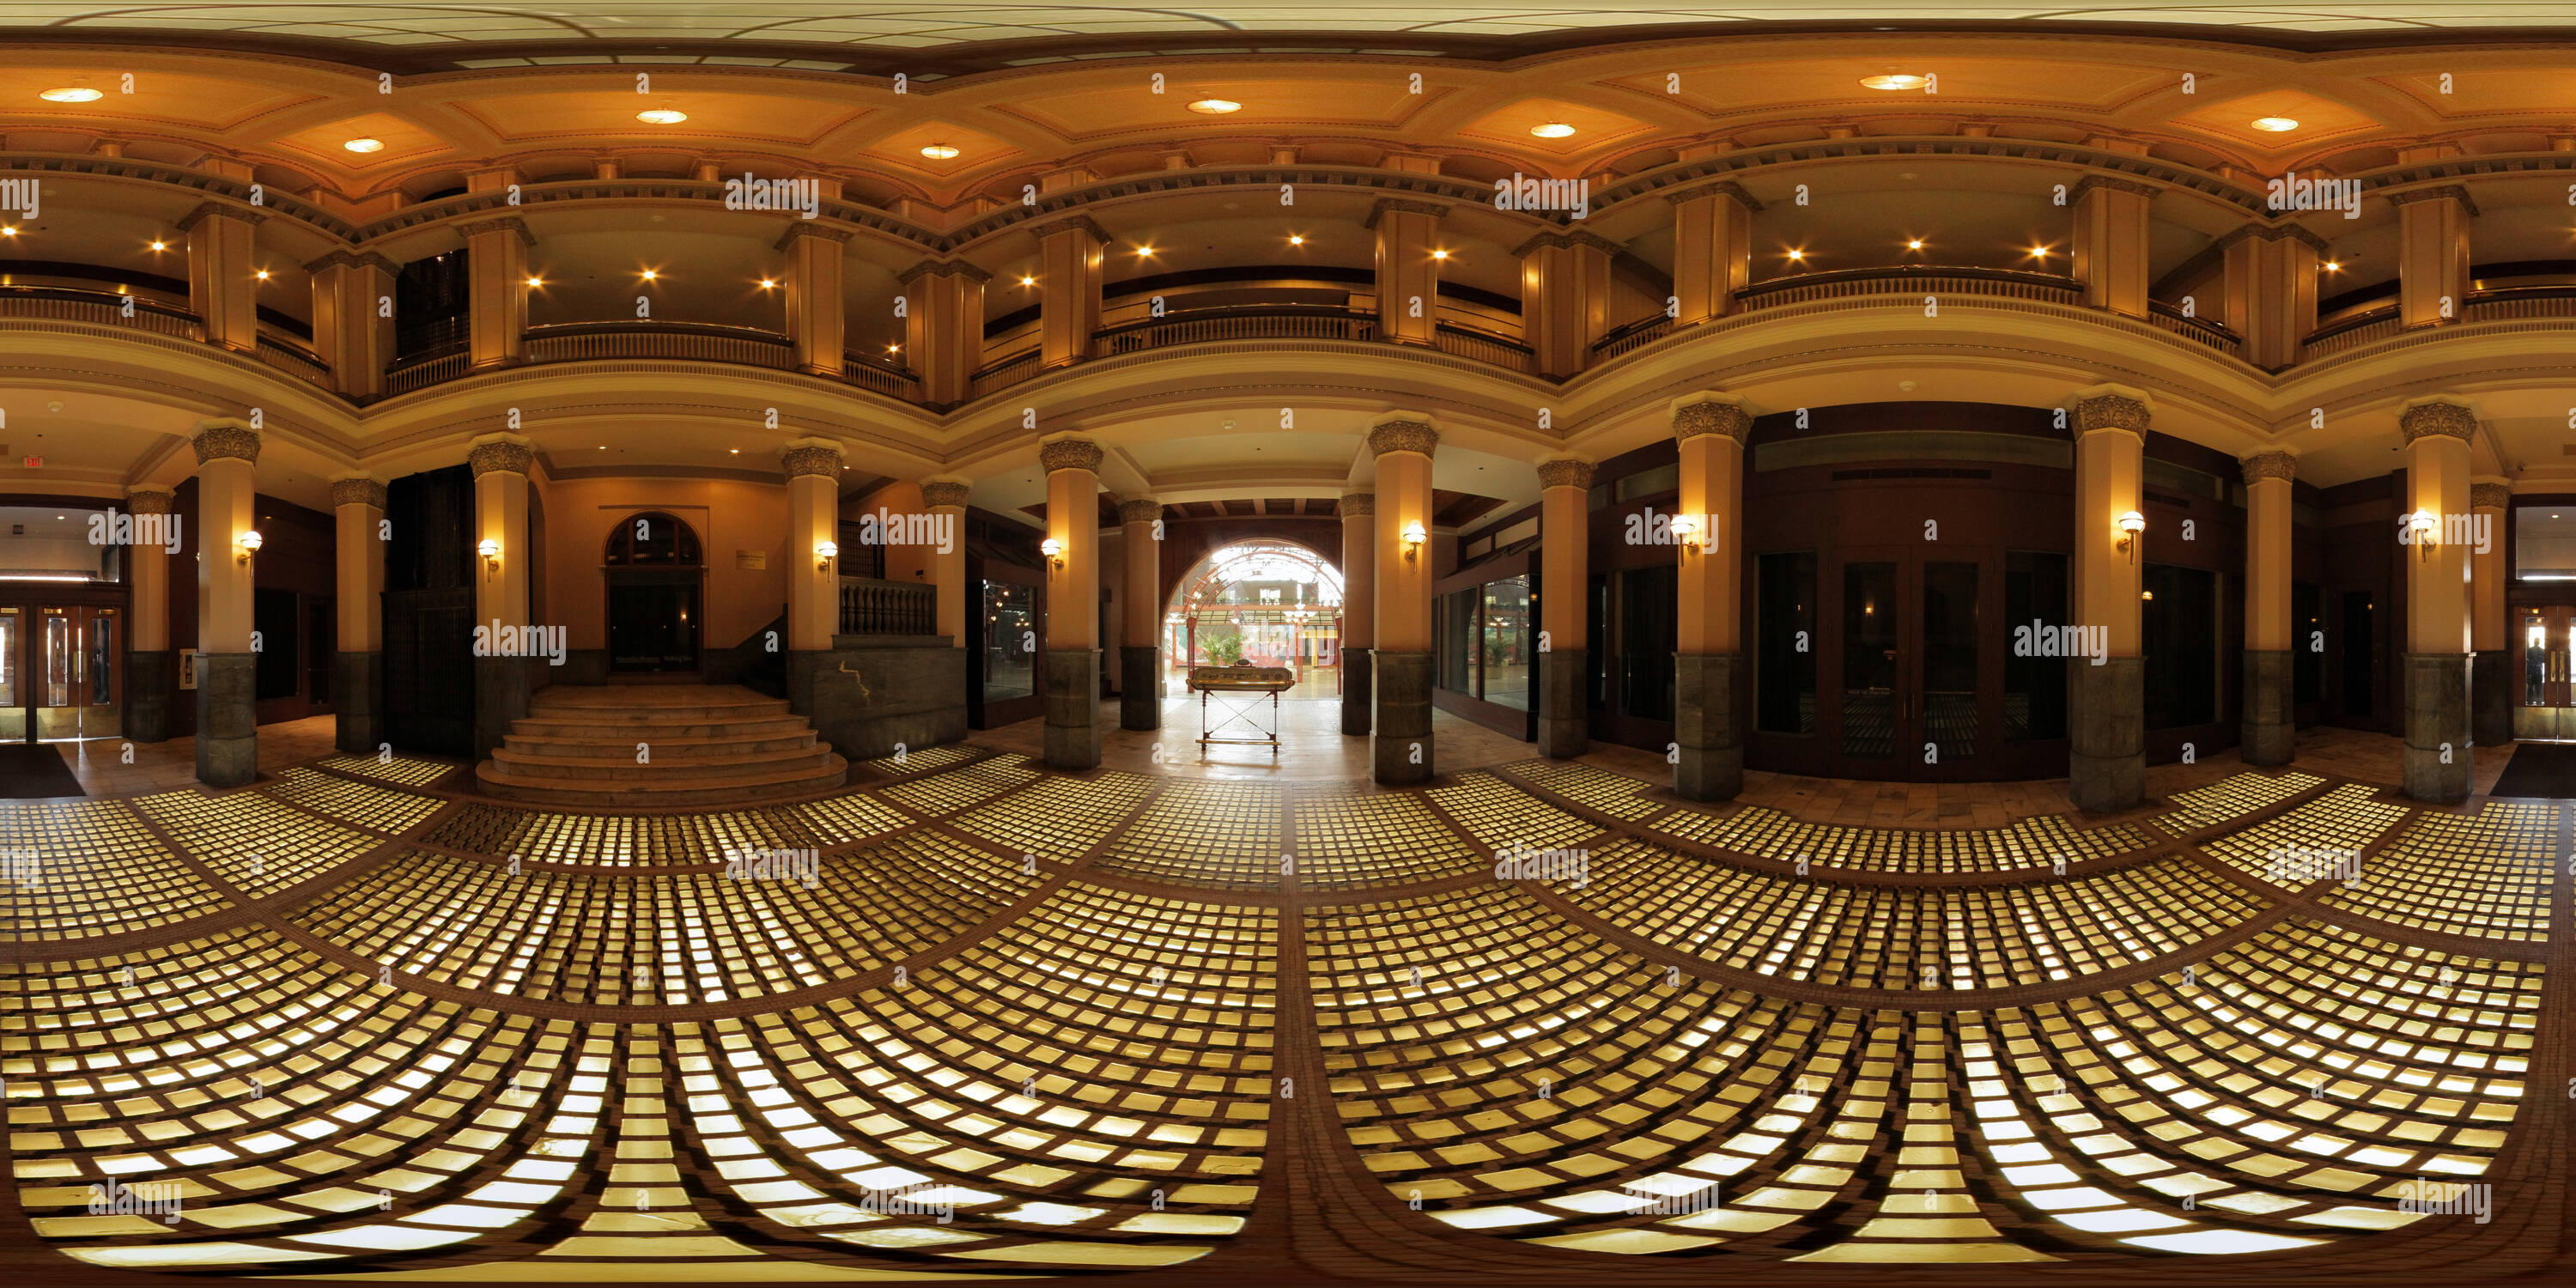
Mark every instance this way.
x=648 y=274
x=768 y=285
x=1215 y=106
x=70 y=94
x=734 y=451
x=2275 y=124
x=2039 y=251
x=536 y=281
x=1439 y=254
x=661 y=116
x=365 y=145
x=8 y=230
x=160 y=245
x=939 y=152
x=1914 y=244
x=2333 y=267
x=1893 y=80
x=1144 y=250
x=1028 y=281
x=1797 y=254
x=263 y=275
x=1296 y=240
x=1553 y=130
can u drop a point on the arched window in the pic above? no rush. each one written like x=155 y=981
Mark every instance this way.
x=652 y=540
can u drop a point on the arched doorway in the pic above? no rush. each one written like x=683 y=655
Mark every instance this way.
x=1267 y=602
x=656 y=575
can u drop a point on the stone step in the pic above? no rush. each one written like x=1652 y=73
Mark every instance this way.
x=673 y=792
x=680 y=730
x=623 y=768
x=662 y=747
x=752 y=706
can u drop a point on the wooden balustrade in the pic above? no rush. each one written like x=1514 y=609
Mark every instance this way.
x=872 y=606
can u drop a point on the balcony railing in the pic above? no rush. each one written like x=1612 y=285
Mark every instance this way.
x=1482 y=346
x=868 y=374
x=1003 y=372
x=872 y=606
x=426 y=368
x=682 y=341
x=1635 y=335
x=2200 y=329
x=1901 y=279
x=1240 y=322
x=104 y=308
x=294 y=359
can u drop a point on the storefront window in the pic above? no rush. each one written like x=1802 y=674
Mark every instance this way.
x=1785 y=685
x=2035 y=596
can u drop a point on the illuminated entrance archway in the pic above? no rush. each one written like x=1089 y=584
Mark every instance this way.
x=1267 y=602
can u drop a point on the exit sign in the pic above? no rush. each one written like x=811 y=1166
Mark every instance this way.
x=35 y=462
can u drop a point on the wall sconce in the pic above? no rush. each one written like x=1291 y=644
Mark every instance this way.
x=1413 y=538
x=824 y=553
x=2423 y=524
x=246 y=545
x=2131 y=524
x=1054 y=551
x=1686 y=531
x=490 y=549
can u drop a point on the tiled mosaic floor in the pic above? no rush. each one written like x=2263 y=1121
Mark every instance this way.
x=979 y=1019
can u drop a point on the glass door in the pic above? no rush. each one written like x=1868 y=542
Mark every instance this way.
x=76 y=685
x=13 y=683
x=1913 y=661
x=2546 y=708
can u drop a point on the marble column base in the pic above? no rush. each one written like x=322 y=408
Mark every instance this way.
x=1357 y=708
x=2270 y=732
x=2491 y=685
x=1564 y=726
x=2106 y=735
x=2436 y=758
x=1708 y=730
x=501 y=689
x=227 y=719
x=1140 y=687
x=1401 y=750
x=151 y=678
x=1072 y=689
x=357 y=701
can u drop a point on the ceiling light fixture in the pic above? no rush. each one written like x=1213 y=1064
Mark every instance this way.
x=365 y=145
x=158 y=244
x=1439 y=254
x=1026 y=280
x=661 y=116
x=2333 y=267
x=263 y=275
x=70 y=94
x=938 y=151
x=768 y=285
x=1915 y=243
x=1144 y=250
x=648 y=274
x=1893 y=81
x=1797 y=254
x=2275 y=124
x=1553 y=130
x=536 y=281
x=1215 y=106
x=1295 y=240
x=8 y=230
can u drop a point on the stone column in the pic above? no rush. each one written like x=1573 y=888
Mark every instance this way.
x=1565 y=564
x=1140 y=658
x=1712 y=250
x=1072 y=687
x=2111 y=243
x=353 y=320
x=944 y=327
x=815 y=325
x=2106 y=704
x=1069 y=255
x=357 y=669
x=1565 y=298
x=2432 y=254
x=496 y=258
x=227 y=661
x=813 y=468
x=2270 y=291
x=1400 y=689
x=223 y=274
x=1408 y=274
x=151 y=674
x=1359 y=609
x=1708 y=726
x=944 y=498
x=2269 y=736
x=2491 y=679
x=501 y=684
x=2437 y=432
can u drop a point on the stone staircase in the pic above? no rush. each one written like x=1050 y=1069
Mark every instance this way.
x=706 y=744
